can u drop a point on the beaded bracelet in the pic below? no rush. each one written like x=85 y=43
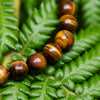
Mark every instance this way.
x=64 y=39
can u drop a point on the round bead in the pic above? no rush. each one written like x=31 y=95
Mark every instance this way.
x=64 y=39
x=36 y=61
x=18 y=70
x=52 y=52
x=4 y=74
x=67 y=7
x=68 y=22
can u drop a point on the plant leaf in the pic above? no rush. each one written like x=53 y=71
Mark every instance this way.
x=8 y=26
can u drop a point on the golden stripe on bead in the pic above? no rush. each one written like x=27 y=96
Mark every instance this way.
x=68 y=22
x=64 y=39
x=52 y=52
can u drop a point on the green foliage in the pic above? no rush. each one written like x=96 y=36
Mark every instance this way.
x=13 y=90
x=8 y=26
x=46 y=89
x=80 y=69
x=91 y=13
x=68 y=79
x=84 y=67
x=90 y=89
x=29 y=5
x=77 y=3
x=84 y=40
x=33 y=36
x=38 y=29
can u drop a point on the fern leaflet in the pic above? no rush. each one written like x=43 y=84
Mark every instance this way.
x=91 y=13
x=38 y=29
x=62 y=84
x=8 y=26
x=83 y=42
x=81 y=69
x=45 y=88
x=89 y=90
x=29 y=5
x=13 y=90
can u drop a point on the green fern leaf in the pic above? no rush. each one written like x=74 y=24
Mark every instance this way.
x=13 y=90
x=89 y=90
x=61 y=84
x=33 y=36
x=46 y=89
x=91 y=13
x=35 y=32
x=29 y=6
x=8 y=26
x=83 y=42
x=37 y=29
x=81 y=69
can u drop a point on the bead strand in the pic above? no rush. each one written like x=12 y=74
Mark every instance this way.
x=67 y=21
x=64 y=39
x=52 y=52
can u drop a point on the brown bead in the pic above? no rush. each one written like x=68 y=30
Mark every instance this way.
x=36 y=61
x=64 y=39
x=67 y=7
x=68 y=22
x=18 y=70
x=4 y=74
x=52 y=52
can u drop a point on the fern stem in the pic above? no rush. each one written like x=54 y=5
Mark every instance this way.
x=67 y=91
x=8 y=58
x=44 y=90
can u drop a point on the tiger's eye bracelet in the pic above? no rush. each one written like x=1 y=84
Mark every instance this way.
x=52 y=52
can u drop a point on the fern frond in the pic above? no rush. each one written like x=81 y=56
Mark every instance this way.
x=77 y=71
x=33 y=36
x=13 y=90
x=90 y=89
x=91 y=13
x=37 y=29
x=61 y=84
x=8 y=26
x=81 y=69
x=29 y=5
x=46 y=89
x=83 y=41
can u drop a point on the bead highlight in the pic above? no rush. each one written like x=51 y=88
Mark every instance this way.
x=64 y=39
x=68 y=22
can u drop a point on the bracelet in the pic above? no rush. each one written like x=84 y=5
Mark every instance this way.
x=52 y=52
